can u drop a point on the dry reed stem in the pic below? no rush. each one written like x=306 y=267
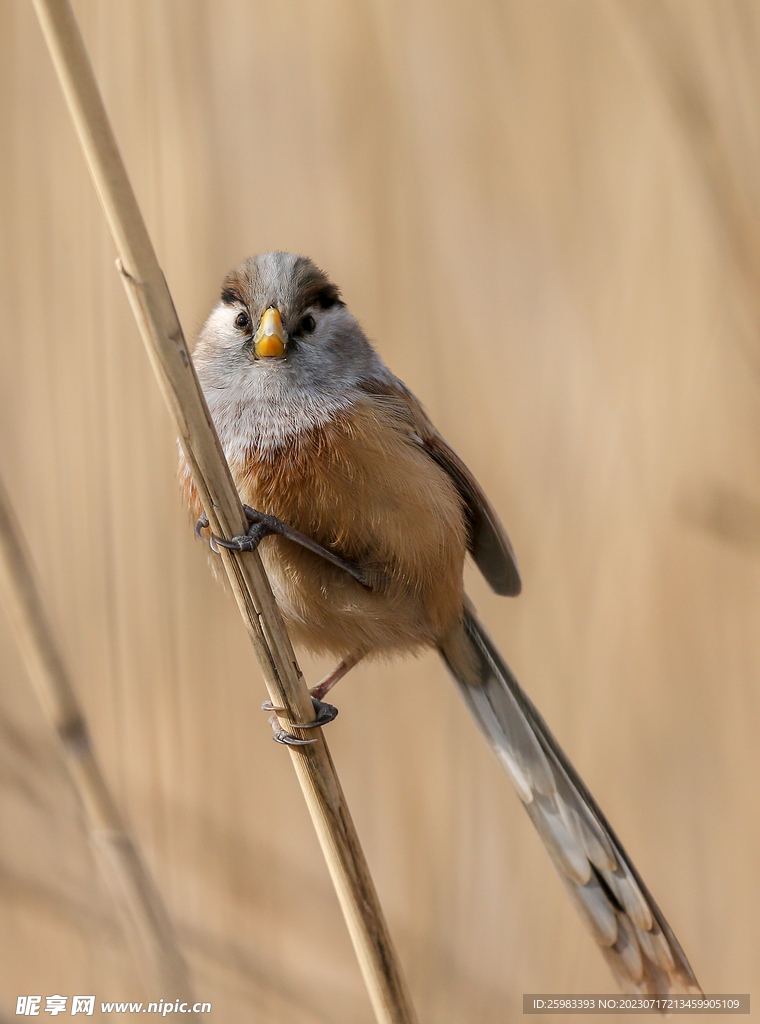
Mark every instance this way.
x=157 y=319
x=147 y=924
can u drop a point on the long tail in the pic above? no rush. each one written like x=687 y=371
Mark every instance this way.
x=634 y=936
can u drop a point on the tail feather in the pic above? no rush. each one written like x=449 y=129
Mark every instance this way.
x=636 y=940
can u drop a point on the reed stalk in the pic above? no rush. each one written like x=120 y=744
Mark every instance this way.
x=146 y=921
x=161 y=331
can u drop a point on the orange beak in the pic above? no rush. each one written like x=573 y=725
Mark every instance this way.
x=269 y=341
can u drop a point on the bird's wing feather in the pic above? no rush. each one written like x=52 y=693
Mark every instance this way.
x=487 y=540
x=634 y=936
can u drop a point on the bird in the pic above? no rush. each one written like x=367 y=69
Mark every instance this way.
x=369 y=516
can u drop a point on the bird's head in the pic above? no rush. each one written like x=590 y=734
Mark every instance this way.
x=280 y=317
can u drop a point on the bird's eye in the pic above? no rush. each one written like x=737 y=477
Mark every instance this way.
x=242 y=321
x=307 y=325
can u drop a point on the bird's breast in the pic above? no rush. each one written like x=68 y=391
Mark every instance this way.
x=360 y=486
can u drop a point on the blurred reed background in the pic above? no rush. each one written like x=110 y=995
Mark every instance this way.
x=547 y=215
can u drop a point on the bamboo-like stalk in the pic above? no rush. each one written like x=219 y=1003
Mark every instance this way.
x=154 y=310
x=147 y=924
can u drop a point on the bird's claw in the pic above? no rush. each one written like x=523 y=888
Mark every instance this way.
x=201 y=524
x=280 y=735
x=262 y=524
x=324 y=713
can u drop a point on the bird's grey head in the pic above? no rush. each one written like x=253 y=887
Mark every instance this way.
x=281 y=347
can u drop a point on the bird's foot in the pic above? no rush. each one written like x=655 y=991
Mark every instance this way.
x=263 y=524
x=324 y=713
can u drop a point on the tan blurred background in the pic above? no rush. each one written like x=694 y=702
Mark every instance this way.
x=547 y=215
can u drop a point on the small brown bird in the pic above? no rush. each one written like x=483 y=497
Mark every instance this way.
x=372 y=515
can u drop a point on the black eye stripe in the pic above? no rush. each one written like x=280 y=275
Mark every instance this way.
x=231 y=297
x=328 y=297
